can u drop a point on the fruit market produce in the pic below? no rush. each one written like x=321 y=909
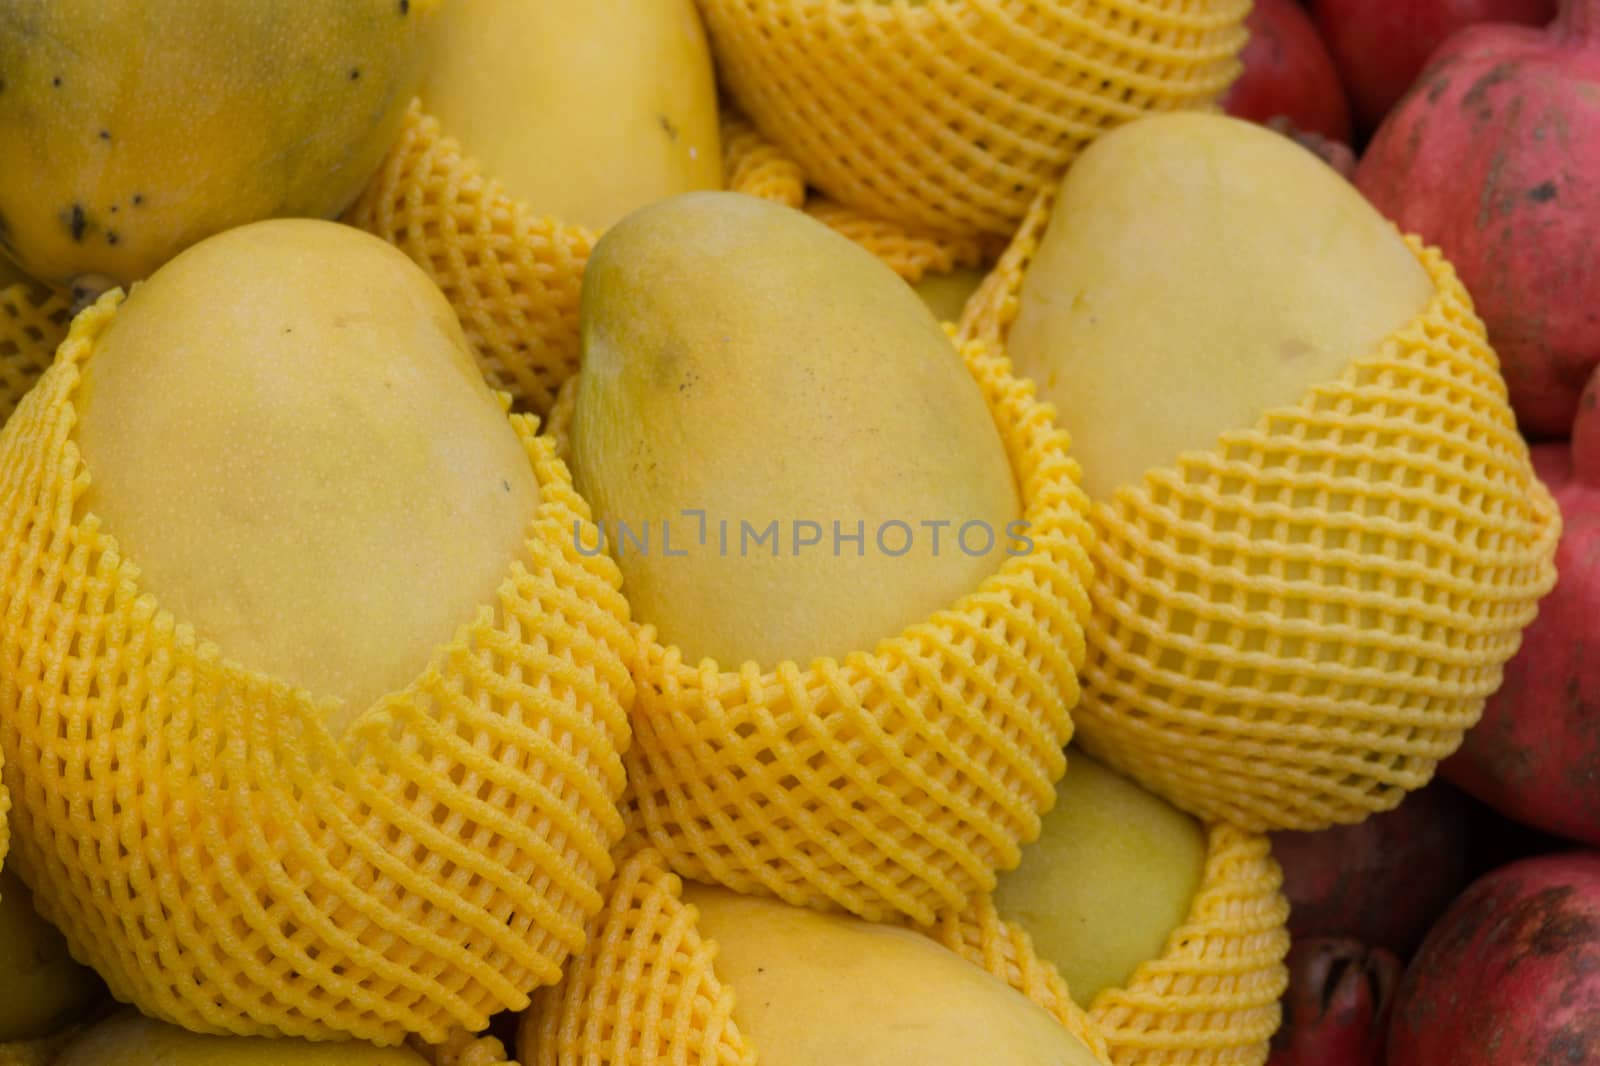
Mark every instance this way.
x=131 y=130
x=1133 y=902
x=678 y=972
x=897 y=779
x=1510 y=974
x=500 y=202
x=1382 y=881
x=1319 y=536
x=130 y=1040
x=791 y=328
x=1380 y=46
x=1288 y=73
x=949 y=116
x=1493 y=158
x=1337 y=1009
x=312 y=862
x=1114 y=871
x=44 y=988
x=33 y=321
x=1536 y=754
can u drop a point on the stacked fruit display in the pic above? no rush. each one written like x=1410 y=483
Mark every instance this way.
x=795 y=532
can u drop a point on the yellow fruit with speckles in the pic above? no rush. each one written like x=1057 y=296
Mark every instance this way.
x=133 y=128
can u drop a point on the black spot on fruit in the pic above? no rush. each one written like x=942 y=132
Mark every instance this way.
x=1543 y=193
x=405 y=7
x=355 y=74
x=138 y=199
x=111 y=237
x=105 y=135
x=668 y=127
x=56 y=81
x=76 y=221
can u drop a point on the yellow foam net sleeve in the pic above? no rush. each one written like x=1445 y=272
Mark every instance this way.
x=33 y=323
x=896 y=782
x=229 y=864
x=1291 y=629
x=647 y=989
x=948 y=115
x=1213 y=996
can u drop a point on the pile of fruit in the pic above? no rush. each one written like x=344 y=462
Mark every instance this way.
x=799 y=532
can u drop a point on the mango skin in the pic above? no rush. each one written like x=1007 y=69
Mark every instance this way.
x=582 y=109
x=742 y=358
x=129 y=1039
x=1114 y=871
x=284 y=428
x=133 y=128
x=1196 y=272
x=813 y=989
x=947 y=294
x=44 y=987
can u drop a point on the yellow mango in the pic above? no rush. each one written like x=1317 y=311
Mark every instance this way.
x=1114 y=871
x=947 y=294
x=583 y=109
x=42 y=987
x=743 y=360
x=1197 y=271
x=814 y=989
x=285 y=430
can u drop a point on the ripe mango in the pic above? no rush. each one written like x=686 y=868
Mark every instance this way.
x=814 y=989
x=1197 y=271
x=1114 y=871
x=132 y=128
x=743 y=360
x=583 y=109
x=285 y=430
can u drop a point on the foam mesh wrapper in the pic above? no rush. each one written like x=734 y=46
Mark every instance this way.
x=1250 y=677
x=948 y=116
x=771 y=778
x=229 y=864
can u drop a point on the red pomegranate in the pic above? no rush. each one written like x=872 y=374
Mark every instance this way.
x=1511 y=974
x=1288 y=73
x=1382 y=881
x=1336 y=1012
x=1535 y=755
x=1380 y=46
x=1493 y=157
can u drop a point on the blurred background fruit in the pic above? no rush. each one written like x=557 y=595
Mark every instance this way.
x=1336 y=1012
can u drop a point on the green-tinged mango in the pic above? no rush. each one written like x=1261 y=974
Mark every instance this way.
x=1114 y=871
x=130 y=1039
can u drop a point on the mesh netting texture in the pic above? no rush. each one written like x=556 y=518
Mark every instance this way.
x=897 y=782
x=647 y=990
x=33 y=323
x=229 y=864
x=1291 y=629
x=949 y=115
